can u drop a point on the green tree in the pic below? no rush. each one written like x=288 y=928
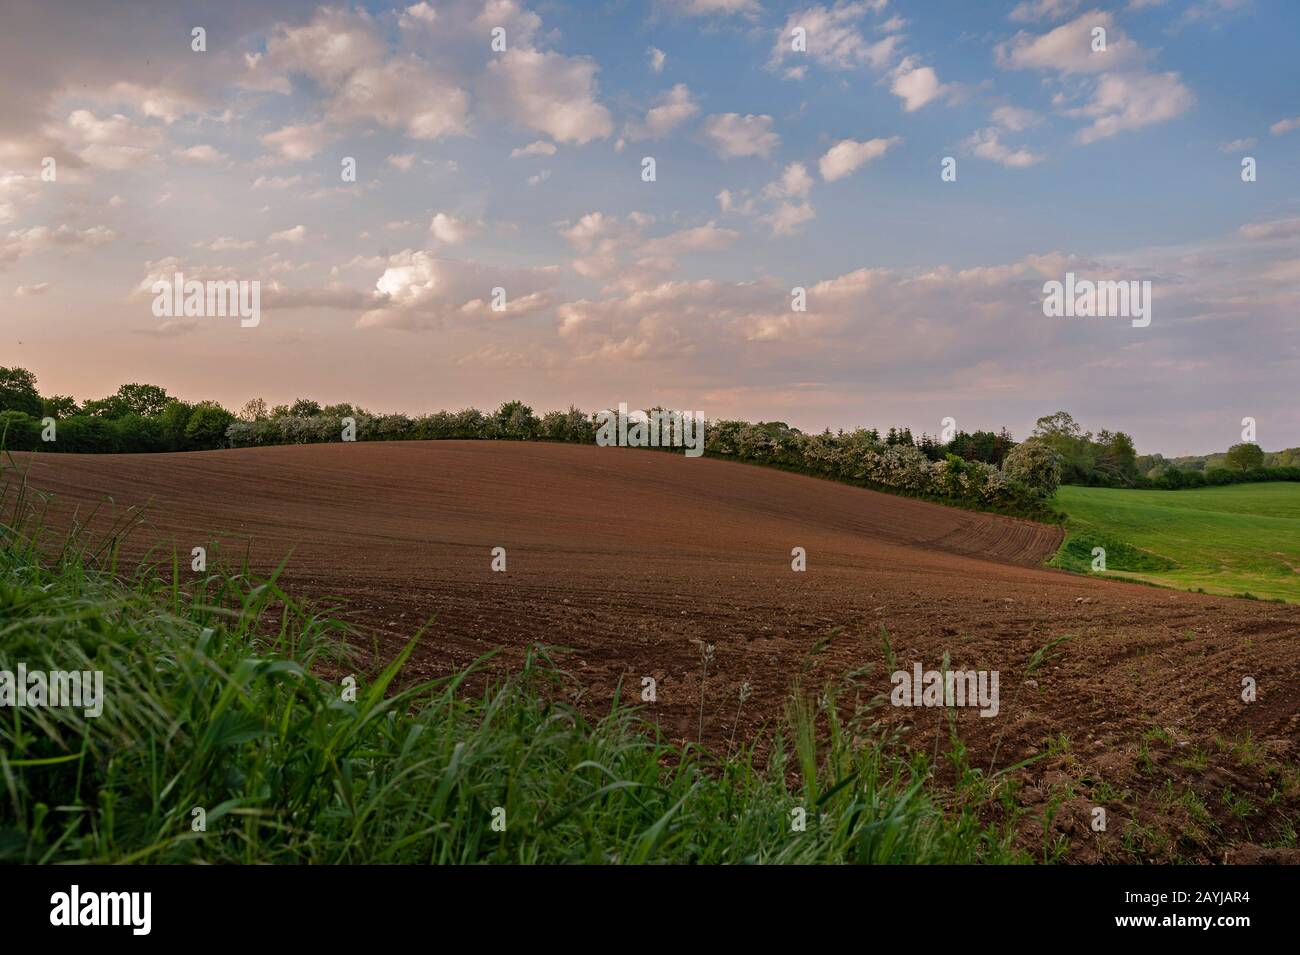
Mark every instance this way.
x=60 y=406
x=108 y=408
x=18 y=391
x=174 y=419
x=147 y=401
x=1066 y=437
x=1117 y=459
x=514 y=419
x=1244 y=457
x=1059 y=425
x=304 y=408
x=254 y=410
x=207 y=425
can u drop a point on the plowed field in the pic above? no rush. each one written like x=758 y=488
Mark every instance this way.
x=634 y=560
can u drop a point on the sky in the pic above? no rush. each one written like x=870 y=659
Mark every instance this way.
x=500 y=144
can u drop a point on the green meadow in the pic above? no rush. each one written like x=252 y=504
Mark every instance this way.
x=1240 y=539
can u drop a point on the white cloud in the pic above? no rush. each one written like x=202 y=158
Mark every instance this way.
x=420 y=13
x=520 y=23
x=1015 y=118
x=789 y=216
x=618 y=249
x=834 y=39
x=539 y=148
x=332 y=46
x=202 y=153
x=298 y=143
x=1277 y=229
x=276 y=182
x=514 y=307
x=782 y=205
x=1237 y=145
x=1284 y=126
x=419 y=290
x=848 y=155
x=986 y=144
x=402 y=161
x=733 y=135
x=344 y=52
x=16 y=188
x=1126 y=101
x=227 y=244
x=1028 y=11
x=112 y=143
x=406 y=94
x=1212 y=10
x=601 y=239
x=41 y=238
x=550 y=93
x=153 y=101
x=450 y=230
x=675 y=106
x=795 y=183
x=708 y=8
x=294 y=235
x=26 y=291
x=705 y=238
x=1124 y=96
x=657 y=58
x=1068 y=48
x=916 y=85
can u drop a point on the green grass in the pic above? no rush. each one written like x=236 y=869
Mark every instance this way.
x=213 y=703
x=1237 y=539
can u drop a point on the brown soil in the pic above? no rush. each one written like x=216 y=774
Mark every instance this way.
x=634 y=560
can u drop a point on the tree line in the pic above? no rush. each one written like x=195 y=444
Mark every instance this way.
x=145 y=418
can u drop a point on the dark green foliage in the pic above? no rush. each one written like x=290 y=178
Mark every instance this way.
x=59 y=406
x=1108 y=459
x=18 y=392
x=515 y=420
x=207 y=424
x=1076 y=555
x=305 y=408
x=1245 y=457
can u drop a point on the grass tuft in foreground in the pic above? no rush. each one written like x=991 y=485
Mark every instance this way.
x=211 y=704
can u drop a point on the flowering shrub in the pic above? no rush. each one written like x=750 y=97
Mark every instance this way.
x=1035 y=465
x=857 y=457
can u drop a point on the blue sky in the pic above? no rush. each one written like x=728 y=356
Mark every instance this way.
x=520 y=168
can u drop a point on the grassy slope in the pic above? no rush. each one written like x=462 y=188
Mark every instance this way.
x=1243 y=538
